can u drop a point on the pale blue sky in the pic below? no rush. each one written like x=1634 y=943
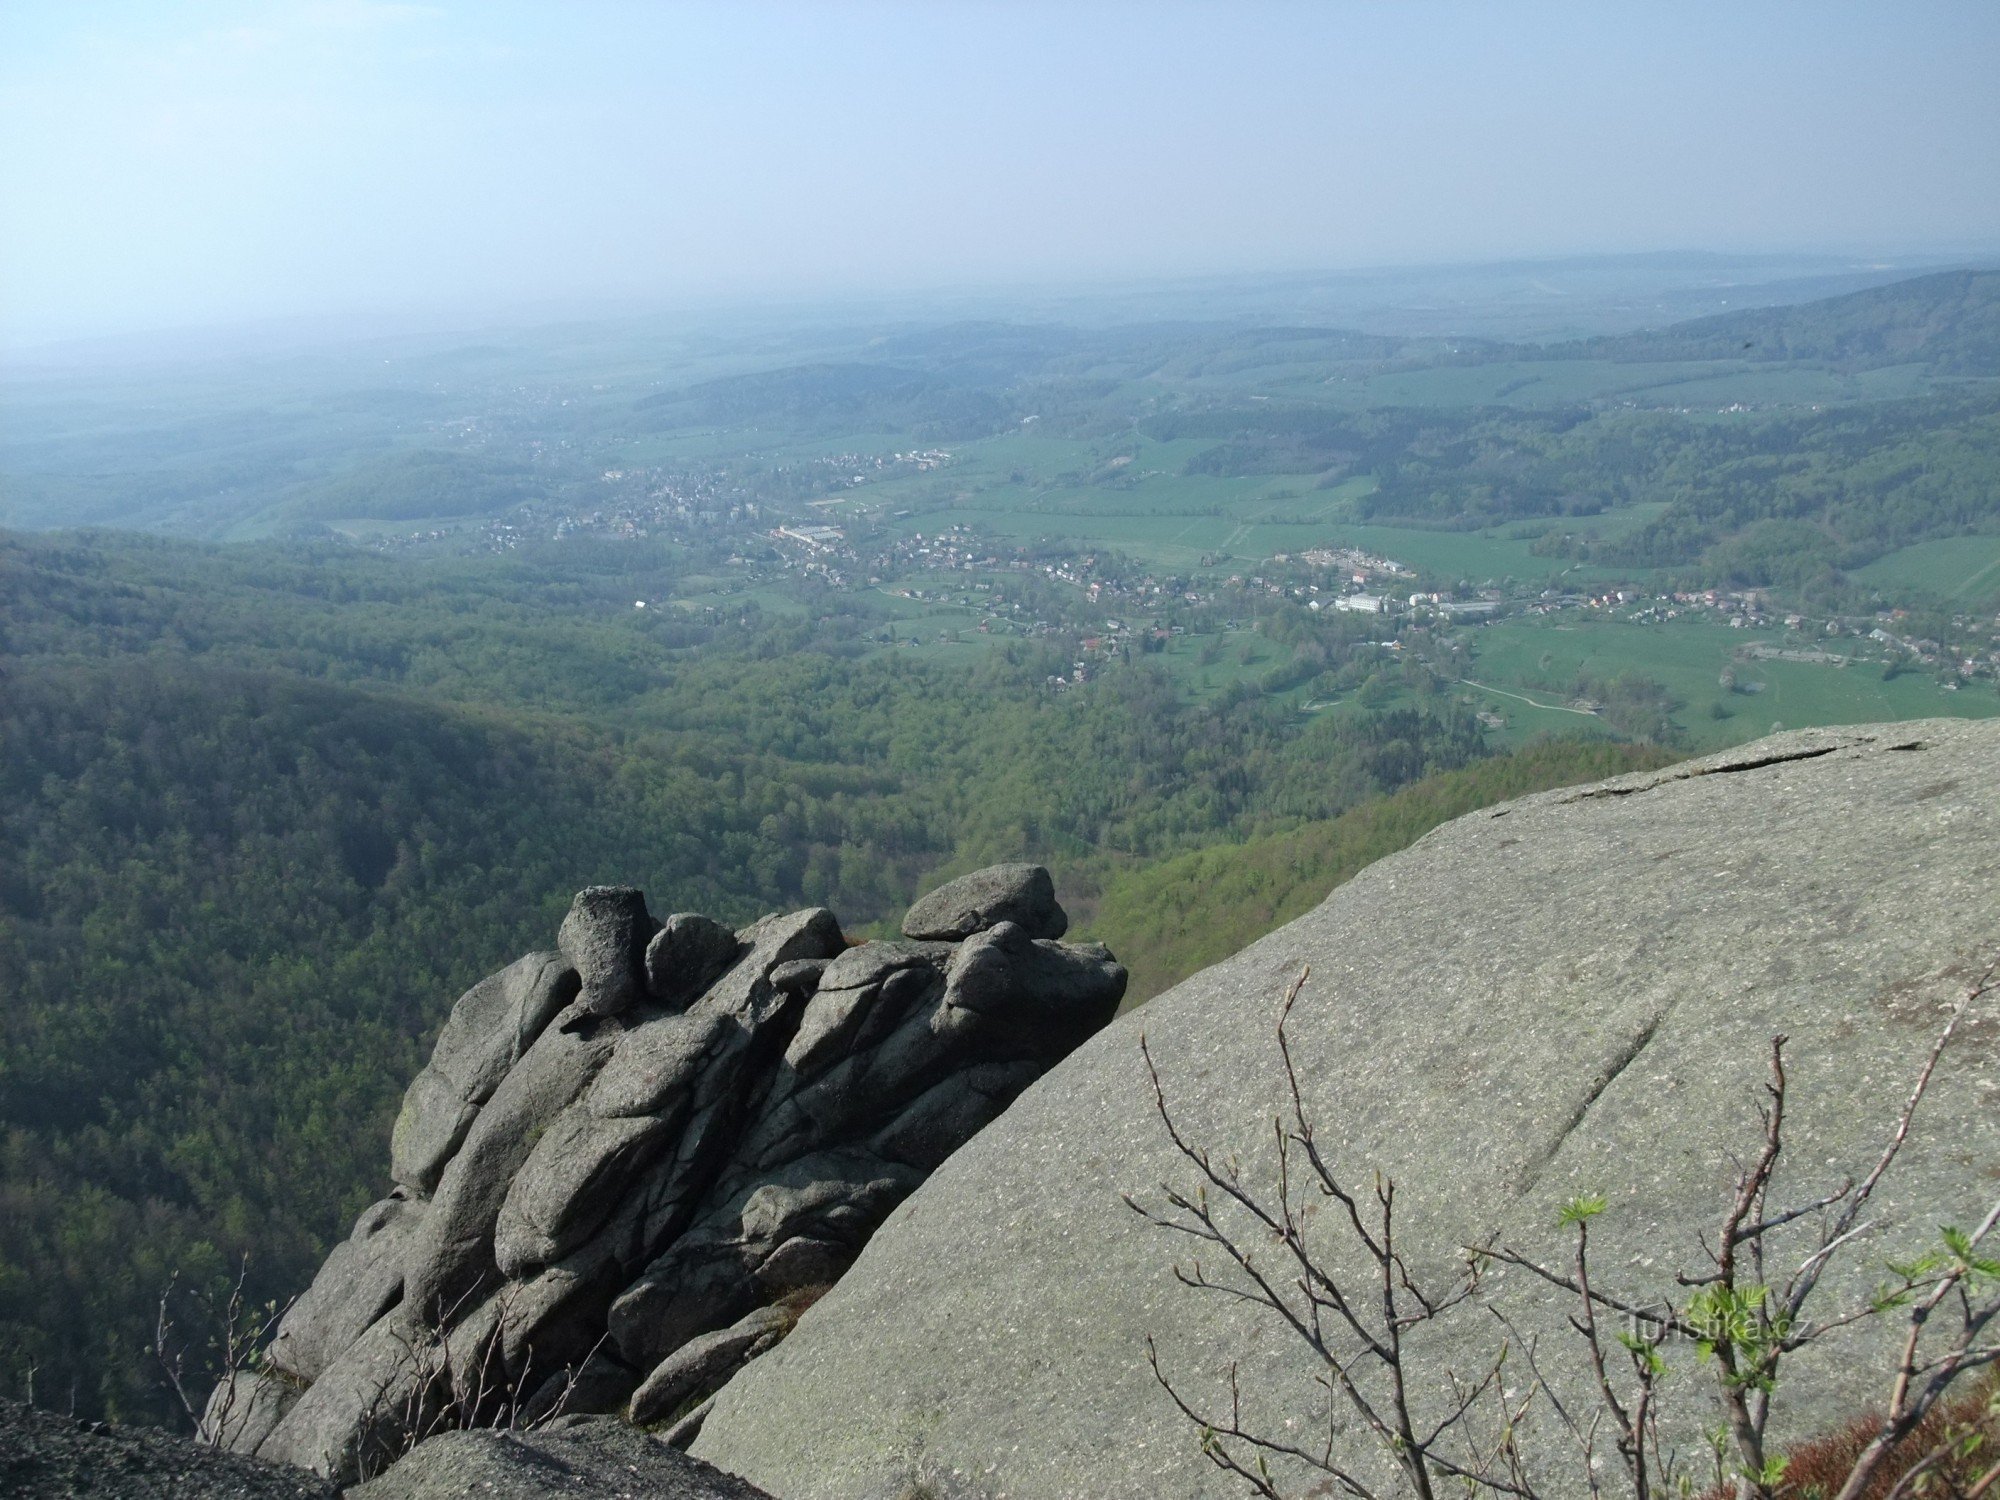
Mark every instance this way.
x=182 y=163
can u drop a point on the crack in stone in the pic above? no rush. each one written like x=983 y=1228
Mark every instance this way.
x=1626 y=1056
x=1759 y=764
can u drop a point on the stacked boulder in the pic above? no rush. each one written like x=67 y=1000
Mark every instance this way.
x=630 y=1162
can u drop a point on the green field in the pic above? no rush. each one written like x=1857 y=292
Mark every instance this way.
x=1963 y=571
x=1539 y=659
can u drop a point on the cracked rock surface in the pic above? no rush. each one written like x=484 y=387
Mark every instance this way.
x=629 y=1162
x=1571 y=993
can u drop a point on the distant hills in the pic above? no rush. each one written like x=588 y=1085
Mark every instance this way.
x=1949 y=320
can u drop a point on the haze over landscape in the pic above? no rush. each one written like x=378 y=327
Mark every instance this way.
x=205 y=163
x=642 y=645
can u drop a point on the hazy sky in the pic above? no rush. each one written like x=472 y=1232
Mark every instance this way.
x=173 y=162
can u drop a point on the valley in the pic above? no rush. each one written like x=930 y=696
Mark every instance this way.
x=330 y=677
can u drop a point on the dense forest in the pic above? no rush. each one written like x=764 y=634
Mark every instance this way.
x=268 y=810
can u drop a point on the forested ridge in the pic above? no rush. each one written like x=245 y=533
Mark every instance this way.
x=269 y=810
x=1949 y=320
x=1846 y=484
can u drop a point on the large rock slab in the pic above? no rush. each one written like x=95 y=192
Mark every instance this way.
x=1573 y=992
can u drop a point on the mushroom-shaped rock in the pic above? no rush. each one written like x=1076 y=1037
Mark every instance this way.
x=605 y=936
x=1021 y=894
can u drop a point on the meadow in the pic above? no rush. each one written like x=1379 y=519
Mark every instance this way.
x=1542 y=658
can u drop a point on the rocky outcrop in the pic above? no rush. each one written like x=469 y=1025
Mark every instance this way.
x=628 y=1161
x=1570 y=993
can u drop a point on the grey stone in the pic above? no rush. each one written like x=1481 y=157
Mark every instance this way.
x=802 y=1263
x=451 y=1253
x=947 y=1115
x=589 y=1458
x=700 y=1366
x=687 y=955
x=605 y=937
x=1571 y=993
x=489 y=1028
x=642 y=1175
x=358 y=1416
x=361 y=1279
x=555 y=1320
x=746 y=991
x=1038 y=999
x=245 y=1407
x=574 y=1177
x=658 y=1067
x=585 y=1164
x=833 y=1020
x=801 y=975
x=696 y=1288
x=1021 y=894
x=682 y=1434
x=708 y=1277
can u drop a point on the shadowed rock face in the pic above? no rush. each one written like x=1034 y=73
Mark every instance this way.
x=1572 y=993
x=628 y=1161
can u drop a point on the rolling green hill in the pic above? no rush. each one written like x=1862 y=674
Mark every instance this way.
x=1949 y=321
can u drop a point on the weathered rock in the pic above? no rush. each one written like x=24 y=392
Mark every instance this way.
x=644 y=1174
x=357 y=1417
x=708 y=1278
x=878 y=982
x=1021 y=894
x=802 y=1263
x=605 y=937
x=451 y=1253
x=800 y=976
x=489 y=1028
x=361 y=1280
x=700 y=1366
x=687 y=955
x=746 y=991
x=245 y=1407
x=1042 y=998
x=951 y=1112
x=573 y=1179
x=1574 y=992
x=586 y=1458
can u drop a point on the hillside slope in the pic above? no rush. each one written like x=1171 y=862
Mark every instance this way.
x=1949 y=320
